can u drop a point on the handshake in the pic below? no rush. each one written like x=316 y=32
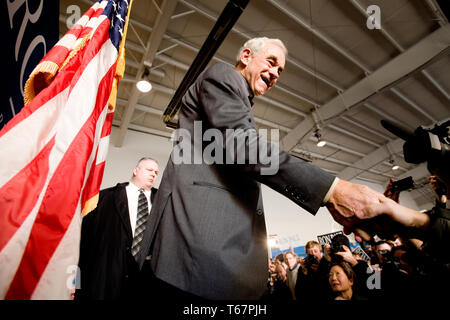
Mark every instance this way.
x=366 y=213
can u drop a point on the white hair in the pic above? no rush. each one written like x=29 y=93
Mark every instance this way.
x=257 y=44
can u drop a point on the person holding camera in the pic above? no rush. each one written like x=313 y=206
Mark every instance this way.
x=277 y=287
x=312 y=277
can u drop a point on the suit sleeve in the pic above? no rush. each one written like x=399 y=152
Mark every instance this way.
x=221 y=98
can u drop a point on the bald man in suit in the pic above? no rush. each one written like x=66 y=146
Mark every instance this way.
x=108 y=267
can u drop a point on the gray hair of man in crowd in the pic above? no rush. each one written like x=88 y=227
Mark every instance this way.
x=257 y=44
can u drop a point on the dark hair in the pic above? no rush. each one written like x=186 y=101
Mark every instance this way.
x=338 y=241
x=280 y=257
x=348 y=270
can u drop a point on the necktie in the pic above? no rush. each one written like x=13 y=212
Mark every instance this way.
x=142 y=214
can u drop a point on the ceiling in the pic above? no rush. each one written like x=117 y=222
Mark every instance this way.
x=340 y=76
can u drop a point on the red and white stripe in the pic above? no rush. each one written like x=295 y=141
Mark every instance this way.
x=47 y=153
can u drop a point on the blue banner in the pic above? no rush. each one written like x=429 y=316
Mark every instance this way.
x=32 y=29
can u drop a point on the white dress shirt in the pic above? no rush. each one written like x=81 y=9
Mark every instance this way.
x=133 y=197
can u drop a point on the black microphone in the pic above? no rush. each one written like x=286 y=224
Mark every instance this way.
x=400 y=132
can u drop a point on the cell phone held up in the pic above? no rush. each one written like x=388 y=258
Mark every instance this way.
x=403 y=184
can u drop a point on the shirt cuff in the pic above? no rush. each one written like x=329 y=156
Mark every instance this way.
x=330 y=191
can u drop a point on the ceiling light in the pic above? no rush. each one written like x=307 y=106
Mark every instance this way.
x=394 y=166
x=144 y=84
x=320 y=142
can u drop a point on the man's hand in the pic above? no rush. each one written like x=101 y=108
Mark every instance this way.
x=350 y=204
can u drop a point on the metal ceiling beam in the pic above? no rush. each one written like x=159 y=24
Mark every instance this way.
x=353 y=135
x=371 y=160
x=351 y=151
x=161 y=23
x=387 y=75
x=364 y=127
x=388 y=35
x=341 y=162
x=437 y=12
x=413 y=105
x=386 y=116
x=306 y=24
x=139 y=128
x=249 y=34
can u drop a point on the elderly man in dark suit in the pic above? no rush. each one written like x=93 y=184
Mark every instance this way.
x=208 y=233
x=111 y=236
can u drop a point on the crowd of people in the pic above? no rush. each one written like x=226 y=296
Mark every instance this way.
x=399 y=267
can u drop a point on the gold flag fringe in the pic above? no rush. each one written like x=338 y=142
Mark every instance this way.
x=90 y=205
x=44 y=73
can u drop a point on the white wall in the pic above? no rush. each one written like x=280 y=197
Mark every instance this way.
x=293 y=225
x=120 y=162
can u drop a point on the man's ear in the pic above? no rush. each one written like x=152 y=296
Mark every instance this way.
x=246 y=56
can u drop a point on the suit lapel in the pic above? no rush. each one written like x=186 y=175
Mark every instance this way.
x=121 y=202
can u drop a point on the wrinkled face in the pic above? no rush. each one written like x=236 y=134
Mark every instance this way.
x=339 y=281
x=145 y=174
x=315 y=251
x=263 y=70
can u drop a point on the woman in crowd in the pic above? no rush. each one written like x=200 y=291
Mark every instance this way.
x=341 y=280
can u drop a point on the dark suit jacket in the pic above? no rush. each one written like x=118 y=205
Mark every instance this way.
x=108 y=269
x=208 y=228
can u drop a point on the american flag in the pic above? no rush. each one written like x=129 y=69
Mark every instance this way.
x=52 y=155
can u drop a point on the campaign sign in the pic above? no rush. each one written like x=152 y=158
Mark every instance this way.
x=326 y=238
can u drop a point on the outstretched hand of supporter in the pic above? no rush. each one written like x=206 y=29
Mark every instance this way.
x=351 y=204
x=401 y=215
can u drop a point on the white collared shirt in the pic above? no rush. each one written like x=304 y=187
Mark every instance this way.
x=133 y=196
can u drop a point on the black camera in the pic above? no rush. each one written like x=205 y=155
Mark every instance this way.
x=403 y=184
x=425 y=144
x=310 y=260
